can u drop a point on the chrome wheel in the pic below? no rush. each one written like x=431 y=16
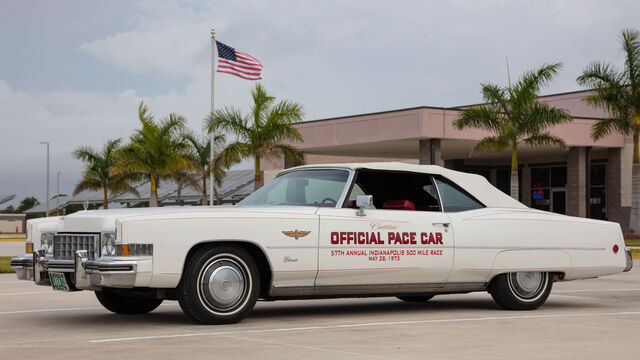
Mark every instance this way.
x=223 y=284
x=527 y=286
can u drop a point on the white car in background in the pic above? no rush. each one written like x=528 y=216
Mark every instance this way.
x=341 y=230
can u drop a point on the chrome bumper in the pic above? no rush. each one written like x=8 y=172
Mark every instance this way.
x=83 y=274
x=629 y=260
x=23 y=266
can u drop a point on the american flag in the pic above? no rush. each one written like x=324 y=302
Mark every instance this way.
x=235 y=62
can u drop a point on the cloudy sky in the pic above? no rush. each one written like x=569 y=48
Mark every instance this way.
x=73 y=72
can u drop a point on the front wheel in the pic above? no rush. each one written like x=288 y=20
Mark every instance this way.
x=127 y=304
x=219 y=285
x=524 y=290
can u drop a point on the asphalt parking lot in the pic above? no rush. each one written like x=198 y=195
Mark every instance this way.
x=584 y=319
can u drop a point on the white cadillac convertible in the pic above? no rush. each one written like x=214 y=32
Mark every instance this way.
x=345 y=230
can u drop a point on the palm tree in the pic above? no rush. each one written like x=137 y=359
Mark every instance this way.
x=515 y=117
x=200 y=157
x=97 y=175
x=155 y=152
x=260 y=133
x=618 y=92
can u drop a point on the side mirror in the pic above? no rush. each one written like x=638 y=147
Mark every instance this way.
x=363 y=201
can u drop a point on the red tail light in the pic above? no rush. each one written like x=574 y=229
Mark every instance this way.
x=615 y=249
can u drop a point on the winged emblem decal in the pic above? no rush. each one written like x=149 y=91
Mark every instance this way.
x=296 y=233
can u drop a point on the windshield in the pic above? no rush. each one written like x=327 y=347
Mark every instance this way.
x=320 y=188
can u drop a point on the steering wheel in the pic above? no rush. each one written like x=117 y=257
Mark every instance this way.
x=329 y=200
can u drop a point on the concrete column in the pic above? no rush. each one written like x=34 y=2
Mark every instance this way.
x=429 y=152
x=577 y=181
x=526 y=185
x=587 y=171
x=615 y=211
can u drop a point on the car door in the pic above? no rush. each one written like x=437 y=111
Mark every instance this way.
x=401 y=242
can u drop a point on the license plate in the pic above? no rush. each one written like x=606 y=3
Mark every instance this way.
x=59 y=281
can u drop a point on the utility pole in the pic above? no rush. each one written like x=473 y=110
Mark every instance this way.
x=58 y=193
x=47 y=202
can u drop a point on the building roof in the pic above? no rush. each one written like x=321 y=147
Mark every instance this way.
x=6 y=197
x=41 y=208
x=235 y=186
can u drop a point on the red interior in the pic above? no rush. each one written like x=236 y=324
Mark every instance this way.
x=398 y=205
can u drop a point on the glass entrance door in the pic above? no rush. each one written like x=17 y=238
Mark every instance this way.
x=559 y=201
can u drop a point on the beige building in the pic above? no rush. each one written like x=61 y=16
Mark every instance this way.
x=12 y=223
x=589 y=179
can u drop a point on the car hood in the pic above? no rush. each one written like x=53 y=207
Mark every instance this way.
x=105 y=220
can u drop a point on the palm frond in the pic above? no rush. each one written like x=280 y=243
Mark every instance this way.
x=262 y=102
x=84 y=185
x=86 y=154
x=491 y=144
x=227 y=119
x=288 y=152
x=485 y=117
x=235 y=152
x=532 y=81
x=544 y=139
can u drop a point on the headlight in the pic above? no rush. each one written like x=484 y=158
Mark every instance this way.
x=46 y=242
x=108 y=244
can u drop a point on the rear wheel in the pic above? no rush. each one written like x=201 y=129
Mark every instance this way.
x=412 y=298
x=220 y=285
x=126 y=304
x=524 y=290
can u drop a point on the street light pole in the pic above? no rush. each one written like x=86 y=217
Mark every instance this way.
x=58 y=193
x=47 y=202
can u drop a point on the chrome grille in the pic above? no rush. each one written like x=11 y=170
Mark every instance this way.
x=65 y=245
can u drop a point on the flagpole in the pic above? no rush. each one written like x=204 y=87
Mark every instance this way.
x=212 y=136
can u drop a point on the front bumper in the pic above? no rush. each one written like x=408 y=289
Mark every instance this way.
x=84 y=274
x=629 y=260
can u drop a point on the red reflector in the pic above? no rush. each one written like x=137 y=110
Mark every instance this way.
x=615 y=249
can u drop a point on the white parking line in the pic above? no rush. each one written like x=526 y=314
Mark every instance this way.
x=576 y=297
x=47 y=310
x=346 y=326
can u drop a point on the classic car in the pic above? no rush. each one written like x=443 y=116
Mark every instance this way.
x=318 y=231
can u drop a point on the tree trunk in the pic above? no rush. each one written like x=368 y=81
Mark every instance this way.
x=257 y=179
x=514 y=173
x=634 y=223
x=105 y=199
x=204 y=191
x=216 y=196
x=153 y=197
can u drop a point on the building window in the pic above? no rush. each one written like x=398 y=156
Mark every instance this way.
x=549 y=188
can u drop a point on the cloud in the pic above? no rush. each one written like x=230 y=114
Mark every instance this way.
x=337 y=58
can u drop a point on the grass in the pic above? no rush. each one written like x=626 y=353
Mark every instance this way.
x=632 y=242
x=635 y=253
x=5 y=264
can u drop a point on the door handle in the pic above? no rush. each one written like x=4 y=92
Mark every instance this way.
x=444 y=224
